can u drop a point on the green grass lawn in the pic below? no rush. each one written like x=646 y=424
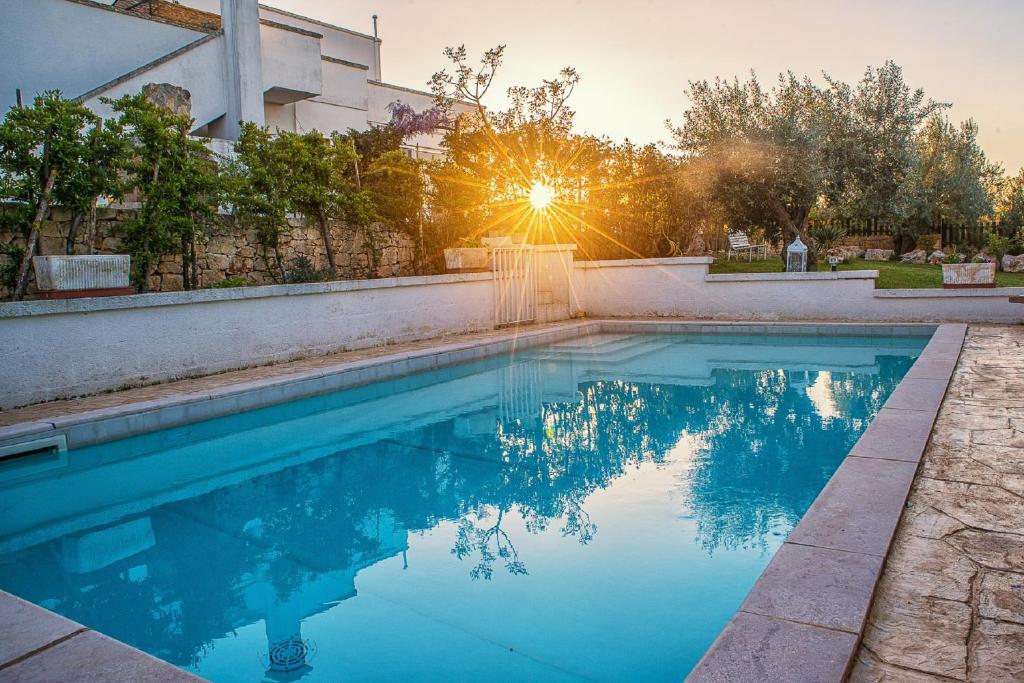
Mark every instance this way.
x=891 y=274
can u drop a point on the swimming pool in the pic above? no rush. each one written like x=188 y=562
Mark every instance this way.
x=594 y=509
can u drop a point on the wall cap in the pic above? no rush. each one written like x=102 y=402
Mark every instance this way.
x=22 y=309
x=554 y=247
x=642 y=262
x=798 y=277
x=936 y=293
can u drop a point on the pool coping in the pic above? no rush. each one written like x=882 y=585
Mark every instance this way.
x=827 y=555
x=805 y=616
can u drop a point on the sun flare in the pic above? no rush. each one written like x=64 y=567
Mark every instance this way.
x=541 y=196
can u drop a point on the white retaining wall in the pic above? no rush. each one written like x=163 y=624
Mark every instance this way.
x=59 y=349
x=682 y=287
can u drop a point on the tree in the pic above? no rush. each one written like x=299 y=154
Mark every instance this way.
x=777 y=157
x=496 y=158
x=1010 y=201
x=954 y=176
x=43 y=150
x=318 y=183
x=396 y=187
x=99 y=173
x=872 y=148
x=178 y=184
x=256 y=189
x=766 y=150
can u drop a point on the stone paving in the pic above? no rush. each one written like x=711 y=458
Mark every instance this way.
x=950 y=605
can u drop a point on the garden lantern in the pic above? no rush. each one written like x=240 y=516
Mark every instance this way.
x=796 y=257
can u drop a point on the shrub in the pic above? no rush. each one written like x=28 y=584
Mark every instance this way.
x=301 y=269
x=826 y=236
x=231 y=281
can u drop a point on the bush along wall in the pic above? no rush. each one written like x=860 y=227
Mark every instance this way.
x=230 y=254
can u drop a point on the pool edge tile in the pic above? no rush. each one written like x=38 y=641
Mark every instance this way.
x=771 y=648
x=92 y=656
x=28 y=629
x=764 y=649
x=816 y=586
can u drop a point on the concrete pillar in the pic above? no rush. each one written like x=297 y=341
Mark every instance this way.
x=244 y=61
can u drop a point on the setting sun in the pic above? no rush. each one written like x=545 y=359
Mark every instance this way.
x=541 y=196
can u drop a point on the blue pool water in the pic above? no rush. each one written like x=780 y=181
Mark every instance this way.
x=591 y=510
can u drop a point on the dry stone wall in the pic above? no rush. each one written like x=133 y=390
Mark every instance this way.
x=232 y=250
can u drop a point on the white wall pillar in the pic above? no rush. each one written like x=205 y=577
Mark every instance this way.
x=244 y=62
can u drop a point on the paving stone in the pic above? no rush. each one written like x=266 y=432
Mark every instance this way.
x=975 y=465
x=867 y=668
x=818 y=586
x=932 y=368
x=763 y=649
x=895 y=435
x=983 y=507
x=968 y=417
x=859 y=507
x=998 y=655
x=921 y=519
x=1001 y=597
x=930 y=568
x=917 y=394
x=1012 y=438
x=93 y=658
x=922 y=633
x=27 y=627
x=1003 y=552
x=958 y=554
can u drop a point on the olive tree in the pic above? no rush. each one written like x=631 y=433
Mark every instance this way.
x=53 y=152
x=178 y=184
x=765 y=149
x=256 y=189
x=319 y=183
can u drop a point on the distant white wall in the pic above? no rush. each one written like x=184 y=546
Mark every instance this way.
x=291 y=64
x=200 y=71
x=345 y=85
x=57 y=349
x=337 y=41
x=326 y=117
x=56 y=44
x=681 y=287
x=341 y=105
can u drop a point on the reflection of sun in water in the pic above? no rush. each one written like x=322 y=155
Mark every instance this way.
x=821 y=396
x=541 y=196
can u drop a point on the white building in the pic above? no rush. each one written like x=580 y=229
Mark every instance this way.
x=238 y=60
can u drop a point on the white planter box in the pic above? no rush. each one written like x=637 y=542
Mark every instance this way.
x=466 y=258
x=62 y=273
x=967 y=275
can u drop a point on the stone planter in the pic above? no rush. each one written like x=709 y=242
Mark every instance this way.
x=466 y=259
x=62 y=277
x=968 y=275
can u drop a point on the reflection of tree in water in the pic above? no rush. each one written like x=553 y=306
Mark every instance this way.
x=491 y=541
x=748 y=487
x=766 y=455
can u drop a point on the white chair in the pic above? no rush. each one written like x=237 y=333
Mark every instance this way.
x=740 y=243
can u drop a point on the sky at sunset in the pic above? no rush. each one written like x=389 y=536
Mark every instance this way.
x=636 y=57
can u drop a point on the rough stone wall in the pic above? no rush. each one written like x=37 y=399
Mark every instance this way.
x=872 y=242
x=229 y=250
